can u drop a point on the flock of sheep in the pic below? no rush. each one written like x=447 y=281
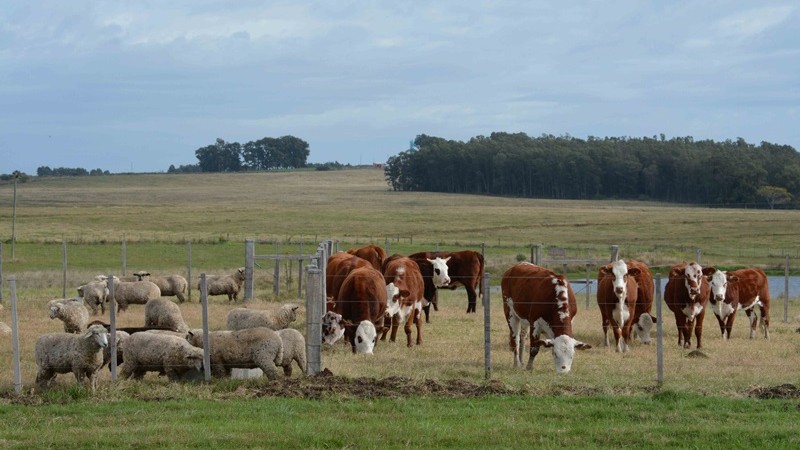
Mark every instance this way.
x=165 y=344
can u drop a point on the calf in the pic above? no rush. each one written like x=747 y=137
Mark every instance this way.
x=362 y=305
x=539 y=299
x=405 y=295
x=739 y=289
x=617 y=294
x=465 y=268
x=686 y=295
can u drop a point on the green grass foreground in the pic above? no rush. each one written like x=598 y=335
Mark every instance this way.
x=665 y=419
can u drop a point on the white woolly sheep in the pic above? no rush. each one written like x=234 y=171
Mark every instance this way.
x=229 y=285
x=74 y=315
x=244 y=349
x=94 y=294
x=241 y=318
x=164 y=313
x=156 y=352
x=171 y=285
x=134 y=292
x=294 y=349
x=81 y=354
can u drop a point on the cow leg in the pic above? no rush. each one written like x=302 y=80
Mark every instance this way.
x=395 y=326
x=726 y=333
x=605 y=331
x=698 y=327
x=722 y=325
x=471 y=299
x=617 y=335
x=516 y=327
x=765 y=320
x=387 y=325
x=407 y=327
x=418 y=322
x=753 y=320
x=427 y=310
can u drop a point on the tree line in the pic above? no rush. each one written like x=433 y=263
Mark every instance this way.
x=268 y=153
x=680 y=169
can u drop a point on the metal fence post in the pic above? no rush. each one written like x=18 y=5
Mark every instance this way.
x=206 y=337
x=786 y=291
x=487 y=328
x=1 y=273
x=112 y=314
x=249 y=263
x=659 y=333
x=315 y=304
x=64 y=267
x=189 y=268
x=12 y=284
x=614 y=253
x=124 y=257
x=588 y=299
x=698 y=255
x=538 y=255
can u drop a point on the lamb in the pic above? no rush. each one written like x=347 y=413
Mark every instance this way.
x=134 y=292
x=94 y=294
x=163 y=353
x=81 y=354
x=229 y=285
x=164 y=313
x=241 y=318
x=294 y=349
x=244 y=349
x=74 y=315
x=172 y=285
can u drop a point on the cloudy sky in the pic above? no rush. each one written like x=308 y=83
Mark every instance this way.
x=139 y=85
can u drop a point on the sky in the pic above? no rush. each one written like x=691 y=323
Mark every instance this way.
x=137 y=86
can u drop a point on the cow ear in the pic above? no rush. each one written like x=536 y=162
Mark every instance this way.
x=675 y=273
x=733 y=278
x=404 y=293
x=582 y=345
x=654 y=318
x=542 y=343
x=709 y=271
x=603 y=270
x=634 y=272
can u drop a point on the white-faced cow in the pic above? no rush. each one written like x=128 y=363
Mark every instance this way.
x=617 y=294
x=465 y=268
x=542 y=301
x=339 y=266
x=434 y=275
x=373 y=253
x=686 y=295
x=404 y=296
x=739 y=289
x=361 y=307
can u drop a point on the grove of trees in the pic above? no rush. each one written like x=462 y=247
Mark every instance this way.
x=680 y=169
x=264 y=154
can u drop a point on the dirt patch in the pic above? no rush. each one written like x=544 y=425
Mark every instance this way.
x=784 y=391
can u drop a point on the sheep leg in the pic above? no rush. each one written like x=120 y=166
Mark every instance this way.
x=287 y=370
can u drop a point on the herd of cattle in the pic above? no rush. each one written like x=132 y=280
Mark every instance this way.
x=370 y=294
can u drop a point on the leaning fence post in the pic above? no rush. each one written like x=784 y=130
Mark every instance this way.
x=112 y=315
x=12 y=284
x=206 y=337
x=315 y=303
x=786 y=291
x=487 y=328
x=249 y=263
x=659 y=333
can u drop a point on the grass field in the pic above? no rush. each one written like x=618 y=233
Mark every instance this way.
x=157 y=214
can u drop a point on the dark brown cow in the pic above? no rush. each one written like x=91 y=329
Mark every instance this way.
x=686 y=294
x=739 y=289
x=617 y=294
x=642 y=319
x=405 y=296
x=372 y=253
x=339 y=266
x=465 y=268
x=543 y=301
x=362 y=305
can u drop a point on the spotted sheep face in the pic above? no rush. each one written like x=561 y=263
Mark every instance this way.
x=440 y=276
x=366 y=337
x=332 y=328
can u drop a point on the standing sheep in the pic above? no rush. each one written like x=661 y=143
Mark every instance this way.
x=134 y=292
x=164 y=313
x=74 y=315
x=163 y=353
x=294 y=349
x=241 y=318
x=64 y=352
x=94 y=294
x=172 y=285
x=244 y=349
x=229 y=285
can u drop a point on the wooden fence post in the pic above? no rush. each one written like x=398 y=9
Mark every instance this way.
x=315 y=304
x=12 y=285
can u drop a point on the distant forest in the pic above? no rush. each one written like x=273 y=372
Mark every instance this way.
x=682 y=170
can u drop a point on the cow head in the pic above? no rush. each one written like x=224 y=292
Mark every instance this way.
x=717 y=282
x=440 y=276
x=365 y=338
x=564 y=347
x=643 y=326
x=332 y=327
x=393 y=296
x=693 y=279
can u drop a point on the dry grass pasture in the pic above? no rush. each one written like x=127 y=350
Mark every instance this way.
x=355 y=207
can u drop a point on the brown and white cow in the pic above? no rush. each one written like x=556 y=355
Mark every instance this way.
x=617 y=294
x=643 y=320
x=686 y=295
x=361 y=303
x=739 y=289
x=339 y=266
x=434 y=275
x=542 y=301
x=404 y=296
x=373 y=253
x=465 y=268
